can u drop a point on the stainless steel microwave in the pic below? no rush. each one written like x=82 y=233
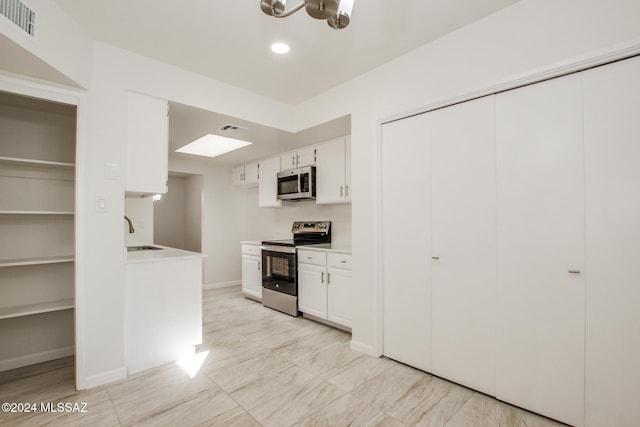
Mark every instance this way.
x=297 y=184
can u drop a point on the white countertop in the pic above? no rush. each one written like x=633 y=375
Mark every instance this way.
x=164 y=254
x=342 y=249
x=250 y=242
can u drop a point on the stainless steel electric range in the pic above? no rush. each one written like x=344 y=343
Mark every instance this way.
x=280 y=264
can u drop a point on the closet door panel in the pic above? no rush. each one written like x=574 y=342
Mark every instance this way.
x=612 y=152
x=406 y=236
x=464 y=243
x=541 y=248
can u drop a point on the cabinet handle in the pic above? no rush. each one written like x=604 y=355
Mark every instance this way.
x=328 y=278
x=322 y=277
x=346 y=190
x=293 y=160
x=574 y=271
x=344 y=261
x=297 y=160
x=341 y=191
x=258 y=265
x=308 y=257
x=435 y=258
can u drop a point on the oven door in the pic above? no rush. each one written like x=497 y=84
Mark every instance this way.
x=279 y=269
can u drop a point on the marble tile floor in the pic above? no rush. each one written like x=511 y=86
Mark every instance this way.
x=263 y=368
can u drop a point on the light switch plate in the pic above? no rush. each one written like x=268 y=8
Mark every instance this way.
x=102 y=203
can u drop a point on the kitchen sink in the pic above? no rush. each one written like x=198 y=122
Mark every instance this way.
x=143 y=248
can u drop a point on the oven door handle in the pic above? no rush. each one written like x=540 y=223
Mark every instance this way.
x=280 y=249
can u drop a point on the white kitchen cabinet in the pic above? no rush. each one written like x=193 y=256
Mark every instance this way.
x=331 y=172
x=541 y=249
x=245 y=175
x=347 y=173
x=305 y=156
x=612 y=153
x=406 y=233
x=324 y=286
x=37 y=230
x=463 y=243
x=312 y=289
x=252 y=271
x=147 y=144
x=268 y=183
x=339 y=289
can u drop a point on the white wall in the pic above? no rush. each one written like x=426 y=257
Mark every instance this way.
x=193 y=198
x=168 y=215
x=59 y=42
x=526 y=36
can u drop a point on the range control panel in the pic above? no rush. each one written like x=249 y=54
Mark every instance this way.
x=311 y=227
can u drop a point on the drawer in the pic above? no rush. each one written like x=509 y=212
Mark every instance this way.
x=312 y=257
x=251 y=249
x=339 y=260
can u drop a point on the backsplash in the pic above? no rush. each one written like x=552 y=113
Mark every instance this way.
x=140 y=212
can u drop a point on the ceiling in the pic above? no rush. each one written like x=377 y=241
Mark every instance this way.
x=229 y=41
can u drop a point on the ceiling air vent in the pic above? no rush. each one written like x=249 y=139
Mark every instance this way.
x=230 y=128
x=18 y=13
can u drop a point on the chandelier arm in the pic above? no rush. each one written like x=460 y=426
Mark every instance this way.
x=291 y=11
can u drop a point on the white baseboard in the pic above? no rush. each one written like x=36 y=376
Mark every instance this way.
x=364 y=348
x=32 y=359
x=221 y=284
x=103 y=378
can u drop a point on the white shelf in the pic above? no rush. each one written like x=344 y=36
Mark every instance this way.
x=30 y=309
x=36 y=261
x=32 y=162
x=37 y=213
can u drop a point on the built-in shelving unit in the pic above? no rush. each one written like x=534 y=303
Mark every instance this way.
x=37 y=230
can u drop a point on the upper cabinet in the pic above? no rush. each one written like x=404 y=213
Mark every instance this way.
x=147 y=144
x=268 y=183
x=333 y=171
x=245 y=175
x=305 y=156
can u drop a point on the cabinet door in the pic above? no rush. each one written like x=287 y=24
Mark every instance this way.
x=147 y=144
x=288 y=160
x=339 y=298
x=406 y=255
x=306 y=156
x=541 y=241
x=268 y=183
x=330 y=172
x=464 y=241
x=312 y=290
x=252 y=276
x=237 y=175
x=251 y=174
x=612 y=152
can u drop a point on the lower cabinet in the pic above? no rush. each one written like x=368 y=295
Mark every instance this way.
x=324 y=286
x=252 y=271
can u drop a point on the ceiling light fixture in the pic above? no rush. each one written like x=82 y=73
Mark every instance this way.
x=337 y=13
x=280 y=48
x=212 y=146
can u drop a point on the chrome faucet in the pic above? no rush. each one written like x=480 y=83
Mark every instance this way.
x=131 y=230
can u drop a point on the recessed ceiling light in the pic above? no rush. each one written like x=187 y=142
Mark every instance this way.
x=212 y=146
x=280 y=48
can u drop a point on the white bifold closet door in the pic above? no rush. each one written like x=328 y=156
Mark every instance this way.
x=406 y=237
x=541 y=249
x=463 y=245
x=612 y=152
